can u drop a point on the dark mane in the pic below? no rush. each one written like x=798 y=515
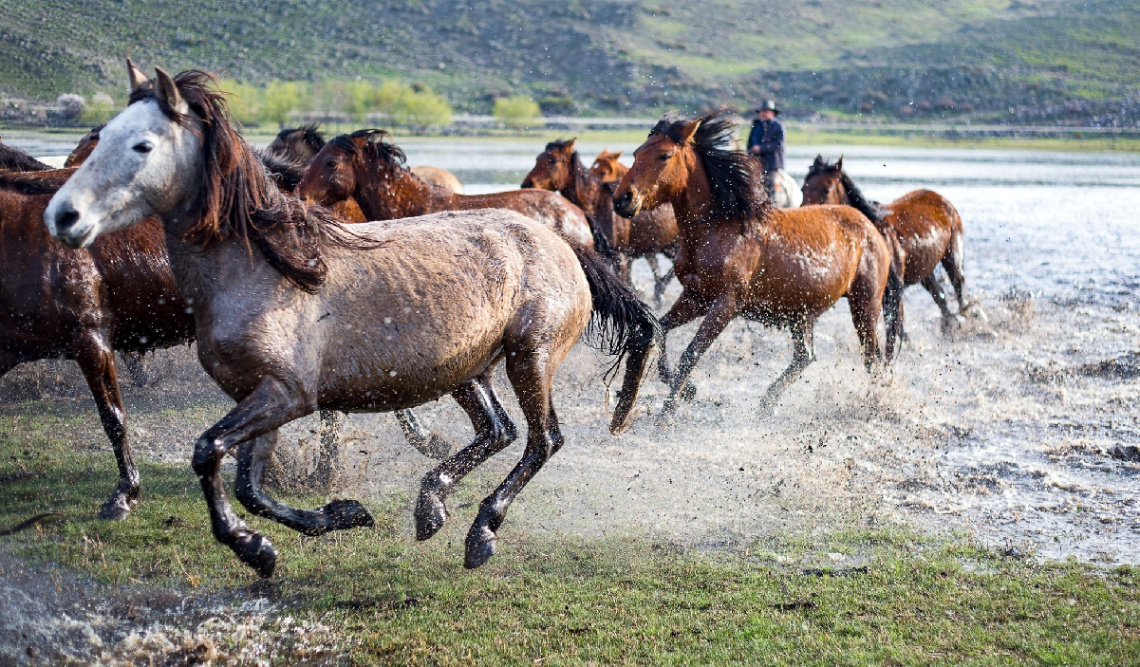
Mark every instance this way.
x=558 y=144
x=733 y=174
x=44 y=182
x=239 y=199
x=377 y=148
x=285 y=172
x=14 y=159
x=310 y=134
x=855 y=197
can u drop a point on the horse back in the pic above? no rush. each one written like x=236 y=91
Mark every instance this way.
x=926 y=223
x=548 y=208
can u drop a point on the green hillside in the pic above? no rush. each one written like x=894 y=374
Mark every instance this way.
x=890 y=58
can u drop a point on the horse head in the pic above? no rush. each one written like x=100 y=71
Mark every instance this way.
x=552 y=167
x=662 y=167
x=147 y=161
x=824 y=183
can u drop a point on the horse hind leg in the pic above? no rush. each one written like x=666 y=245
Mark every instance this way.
x=950 y=320
x=531 y=374
x=723 y=311
x=803 y=354
x=419 y=437
x=96 y=360
x=494 y=430
x=952 y=261
x=253 y=458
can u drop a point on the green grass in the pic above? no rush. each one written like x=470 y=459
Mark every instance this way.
x=898 y=597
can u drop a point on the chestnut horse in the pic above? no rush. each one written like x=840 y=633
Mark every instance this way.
x=295 y=313
x=607 y=167
x=367 y=167
x=926 y=225
x=14 y=159
x=303 y=143
x=740 y=256
x=117 y=295
x=558 y=168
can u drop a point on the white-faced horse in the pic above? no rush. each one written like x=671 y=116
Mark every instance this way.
x=294 y=312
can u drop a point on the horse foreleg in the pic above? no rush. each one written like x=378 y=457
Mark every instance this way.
x=271 y=404
x=952 y=262
x=97 y=361
x=803 y=353
x=685 y=310
x=253 y=457
x=723 y=311
x=494 y=430
x=419 y=437
x=531 y=376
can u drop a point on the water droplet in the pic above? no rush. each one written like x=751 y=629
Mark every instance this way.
x=387 y=320
x=392 y=373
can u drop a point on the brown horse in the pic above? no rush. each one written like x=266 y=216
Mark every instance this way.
x=366 y=166
x=607 y=167
x=303 y=143
x=14 y=159
x=117 y=295
x=295 y=313
x=558 y=168
x=926 y=225
x=740 y=256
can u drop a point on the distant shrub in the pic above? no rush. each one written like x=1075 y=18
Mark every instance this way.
x=401 y=103
x=421 y=108
x=100 y=110
x=245 y=100
x=557 y=105
x=516 y=111
x=71 y=107
x=283 y=98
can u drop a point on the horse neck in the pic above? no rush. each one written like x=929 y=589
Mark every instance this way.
x=387 y=194
x=693 y=204
x=583 y=187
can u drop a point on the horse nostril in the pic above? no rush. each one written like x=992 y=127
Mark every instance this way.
x=527 y=184
x=66 y=218
x=623 y=200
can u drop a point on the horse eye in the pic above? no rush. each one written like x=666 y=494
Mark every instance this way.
x=143 y=148
x=331 y=164
x=666 y=156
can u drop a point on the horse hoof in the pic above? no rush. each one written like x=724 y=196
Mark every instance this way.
x=345 y=514
x=257 y=552
x=688 y=392
x=951 y=325
x=116 y=508
x=667 y=416
x=431 y=514
x=480 y=547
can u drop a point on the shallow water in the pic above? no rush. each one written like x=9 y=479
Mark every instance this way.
x=1002 y=430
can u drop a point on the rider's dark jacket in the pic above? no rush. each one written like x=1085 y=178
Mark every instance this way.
x=769 y=136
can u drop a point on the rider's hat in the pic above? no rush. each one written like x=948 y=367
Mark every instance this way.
x=768 y=105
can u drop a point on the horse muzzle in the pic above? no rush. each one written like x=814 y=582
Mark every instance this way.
x=65 y=224
x=626 y=204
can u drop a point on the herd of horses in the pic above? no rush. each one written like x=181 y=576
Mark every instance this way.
x=303 y=295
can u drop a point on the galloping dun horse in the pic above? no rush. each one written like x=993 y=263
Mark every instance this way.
x=286 y=172
x=303 y=143
x=367 y=167
x=740 y=256
x=558 y=168
x=295 y=312
x=926 y=225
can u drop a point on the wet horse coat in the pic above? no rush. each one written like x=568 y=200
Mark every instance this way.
x=295 y=313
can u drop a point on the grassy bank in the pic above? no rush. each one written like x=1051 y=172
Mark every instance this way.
x=859 y=597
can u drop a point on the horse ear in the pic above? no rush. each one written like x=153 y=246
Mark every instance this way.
x=839 y=163
x=136 y=76
x=167 y=92
x=615 y=156
x=569 y=145
x=689 y=130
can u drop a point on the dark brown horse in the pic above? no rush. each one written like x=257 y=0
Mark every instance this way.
x=117 y=295
x=82 y=150
x=303 y=143
x=740 y=256
x=366 y=166
x=927 y=227
x=296 y=312
x=558 y=168
x=14 y=159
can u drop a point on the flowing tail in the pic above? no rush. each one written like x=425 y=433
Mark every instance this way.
x=892 y=298
x=620 y=325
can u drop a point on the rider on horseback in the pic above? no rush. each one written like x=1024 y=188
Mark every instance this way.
x=766 y=143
